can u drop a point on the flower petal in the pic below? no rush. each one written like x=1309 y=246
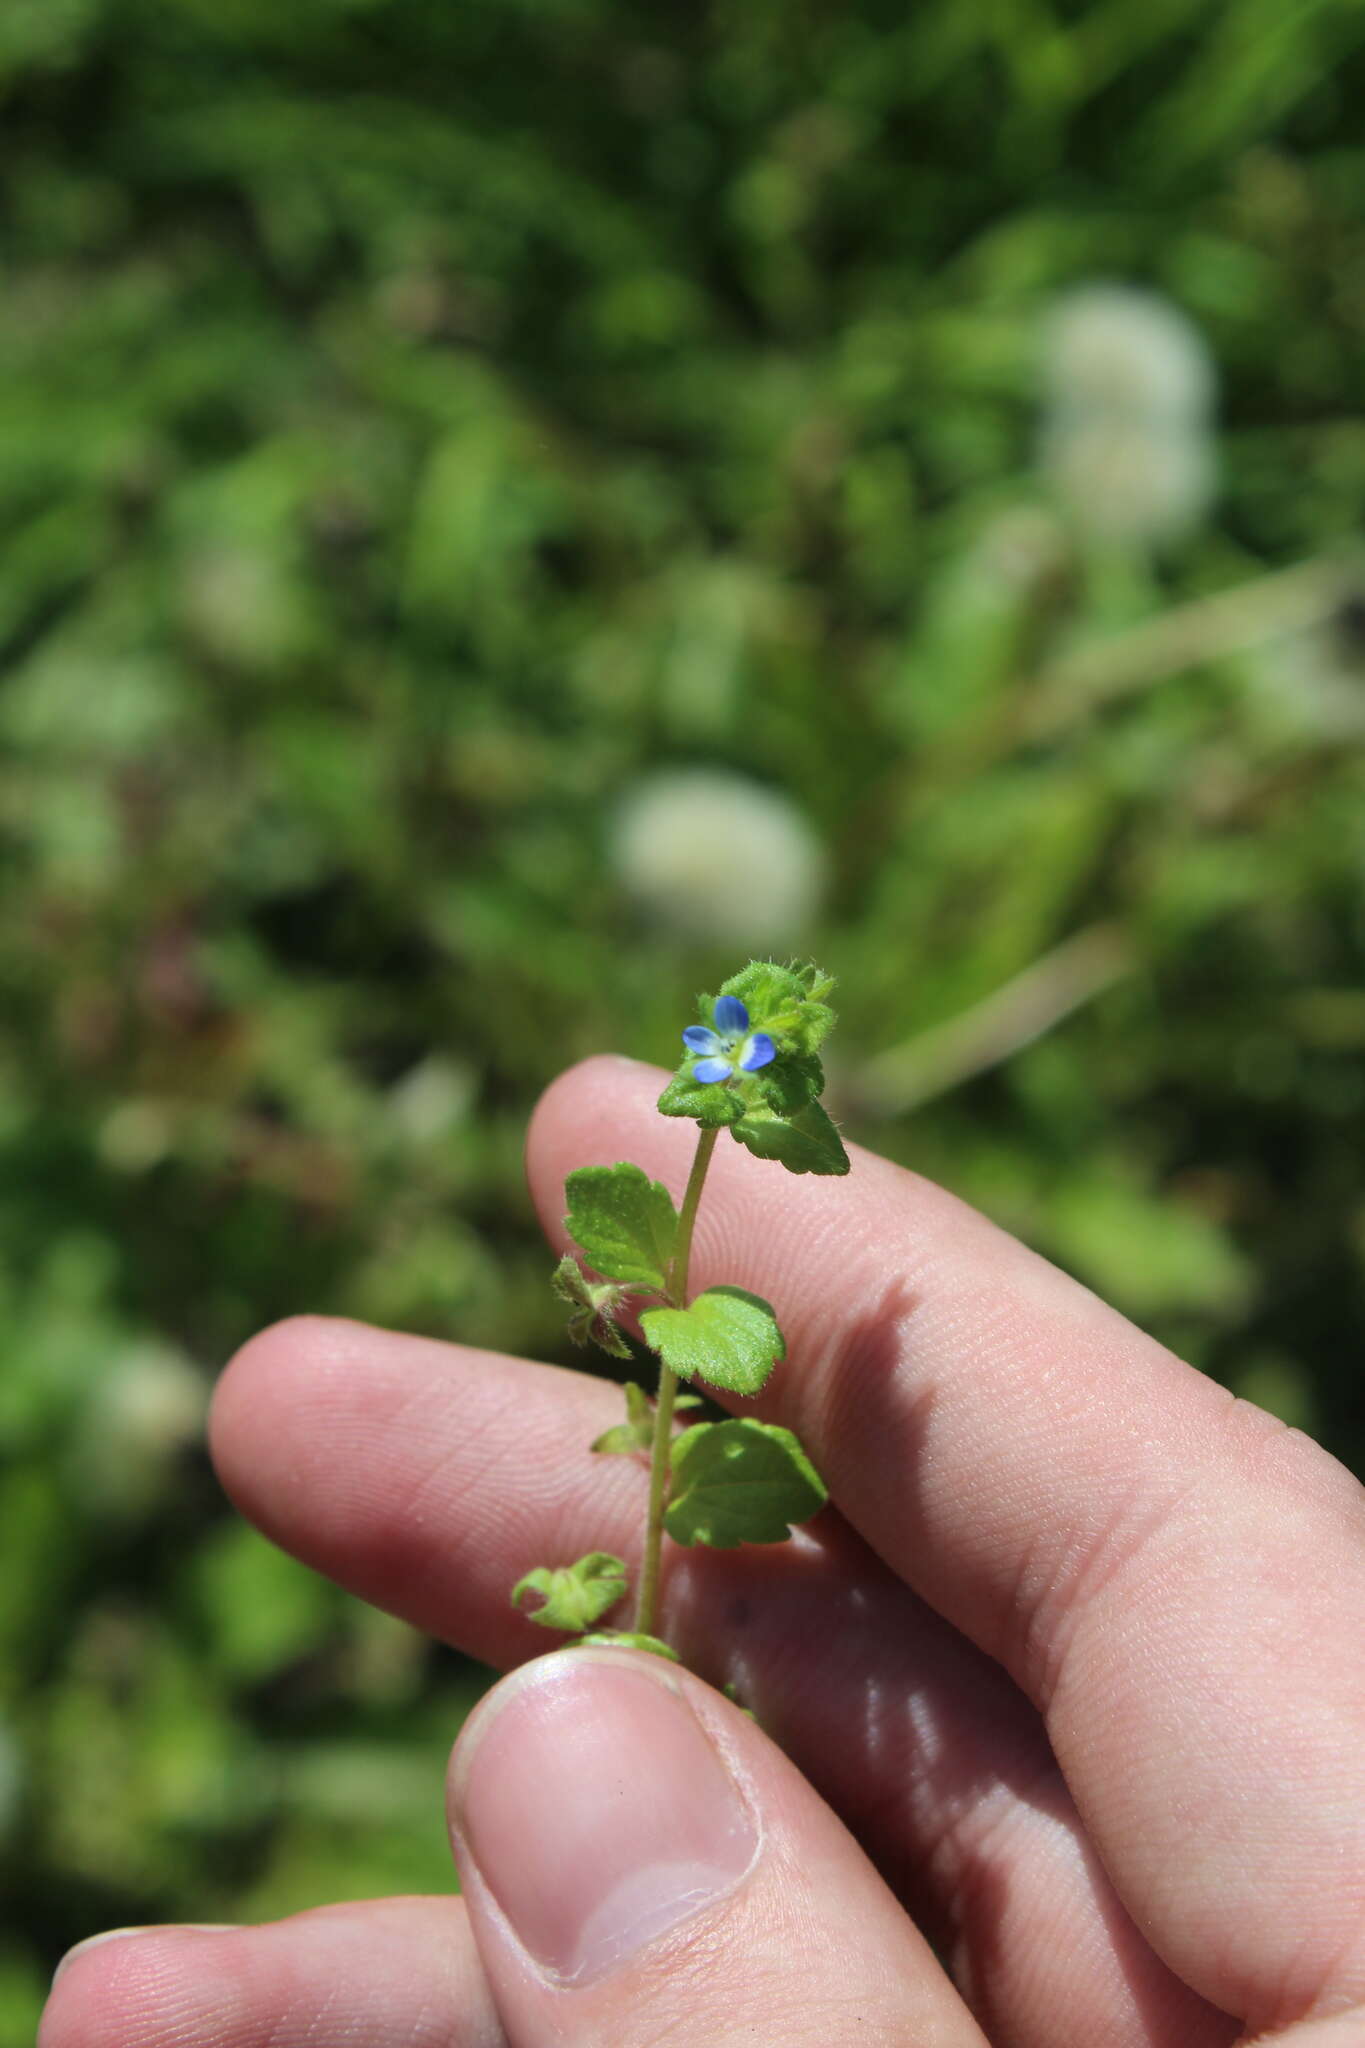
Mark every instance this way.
x=701 y=1038
x=712 y=1070
x=758 y=1050
x=730 y=1014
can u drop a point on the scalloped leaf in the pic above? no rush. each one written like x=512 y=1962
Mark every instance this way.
x=788 y=1083
x=624 y=1222
x=727 y=1337
x=804 y=1143
x=574 y=1596
x=740 y=1482
x=712 y=1103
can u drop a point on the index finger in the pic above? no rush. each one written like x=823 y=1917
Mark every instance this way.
x=1177 y=1580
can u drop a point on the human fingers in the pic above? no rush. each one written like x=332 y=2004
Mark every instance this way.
x=427 y=1477
x=393 y=1973
x=1176 y=1580
x=643 y=1864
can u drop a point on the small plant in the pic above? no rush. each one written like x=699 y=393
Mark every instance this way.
x=752 y=1066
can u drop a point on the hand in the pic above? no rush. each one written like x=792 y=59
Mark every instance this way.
x=1078 y=1666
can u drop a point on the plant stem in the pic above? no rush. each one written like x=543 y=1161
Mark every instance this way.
x=994 y=1029
x=1202 y=629
x=661 y=1451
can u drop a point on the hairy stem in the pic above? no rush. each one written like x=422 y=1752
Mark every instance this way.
x=660 y=1454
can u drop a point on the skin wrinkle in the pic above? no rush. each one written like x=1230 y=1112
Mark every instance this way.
x=1070 y=1603
x=997 y=1849
x=411 y=1403
x=1327 y=2002
x=136 y=1974
x=871 y=1354
x=1289 y=1463
x=322 y=2019
x=432 y=1485
x=875 y=1351
x=1056 y=1571
x=1034 y=1788
x=1149 y=2012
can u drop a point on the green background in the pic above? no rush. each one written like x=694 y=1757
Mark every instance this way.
x=419 y=424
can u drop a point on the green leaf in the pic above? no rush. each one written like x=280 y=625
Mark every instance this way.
x=631 y=1639
x=785 y=1002
x=575 y=1595
x=712 y=1103
x=624 y=1222
x=636 y=1433
x=726 y=1337
x=788 y=1083
x=740 y=1482
x=805 y=1143
x=593 y=1308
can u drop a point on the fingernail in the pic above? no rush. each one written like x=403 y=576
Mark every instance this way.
x=121 y=1933
x=596 y=1810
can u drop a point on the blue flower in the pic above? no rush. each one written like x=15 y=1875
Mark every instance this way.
x=731 y=1044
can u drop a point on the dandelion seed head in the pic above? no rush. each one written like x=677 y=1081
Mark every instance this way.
x=1114 y=349
x=1127 y=437
x=1131 y=481
x=714 y=855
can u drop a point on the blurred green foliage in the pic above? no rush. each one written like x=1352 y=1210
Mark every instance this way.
x=419 y=422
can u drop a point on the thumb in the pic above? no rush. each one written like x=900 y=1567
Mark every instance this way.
x=642 y=1864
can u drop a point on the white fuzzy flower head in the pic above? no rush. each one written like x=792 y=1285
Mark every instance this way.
x=153 y=1402
x=1110 y=348
x=149 y=1407
x=1130 y=481
x=1127 y=437
x=713 y=855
